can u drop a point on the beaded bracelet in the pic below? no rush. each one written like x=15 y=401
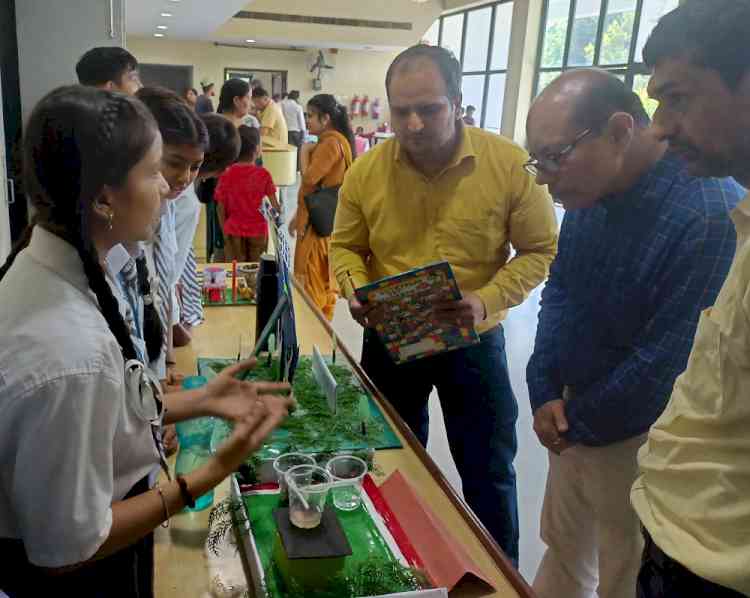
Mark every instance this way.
x=165 y=523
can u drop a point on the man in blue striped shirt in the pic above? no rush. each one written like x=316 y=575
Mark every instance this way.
x=644 y=247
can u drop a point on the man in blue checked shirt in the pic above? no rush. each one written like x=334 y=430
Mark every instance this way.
x=644 y=247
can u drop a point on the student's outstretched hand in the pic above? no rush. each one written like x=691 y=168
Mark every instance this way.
x=262 y=417
x=232 y=399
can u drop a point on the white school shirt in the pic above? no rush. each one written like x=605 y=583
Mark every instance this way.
x=72 y=436
x=187 y=211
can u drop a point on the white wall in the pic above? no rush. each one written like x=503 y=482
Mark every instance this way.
x=53 y=35
x=355 y=72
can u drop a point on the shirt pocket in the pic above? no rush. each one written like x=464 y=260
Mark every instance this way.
x=471 y=240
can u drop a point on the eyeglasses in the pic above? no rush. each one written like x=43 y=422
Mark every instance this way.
x=551 y=162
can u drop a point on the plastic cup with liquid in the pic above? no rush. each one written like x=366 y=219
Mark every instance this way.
x=308 y=491
x=347 y=472
x=284 y=463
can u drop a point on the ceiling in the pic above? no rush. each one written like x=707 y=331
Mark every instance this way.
x=386 y=25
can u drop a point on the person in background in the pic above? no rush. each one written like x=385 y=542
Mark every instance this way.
x=224 y=146
x=204 y=104
x=235 y=103
x=191 y=97
x=644 y=247
x=185 y=140
x=77 y=513
x=361 y=142
x=276 y=97
x=444 y=191
x=111 y=68
x=239 y=196
x=469 y=118
x=324 y=164
x=272 y=123
x=692 y=493
x=294 y=116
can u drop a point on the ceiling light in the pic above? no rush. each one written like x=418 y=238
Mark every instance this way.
x=158 y=35
x=250 y=41
x=166 y=14
x=162 y=27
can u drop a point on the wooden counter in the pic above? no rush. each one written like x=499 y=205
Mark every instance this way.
x=181 y=569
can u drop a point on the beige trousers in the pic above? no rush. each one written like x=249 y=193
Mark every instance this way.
x=593 y=536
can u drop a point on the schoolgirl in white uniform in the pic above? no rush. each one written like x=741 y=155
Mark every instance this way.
x=79 y=411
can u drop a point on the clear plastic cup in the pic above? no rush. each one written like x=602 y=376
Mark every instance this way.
x=284 y=463
x=308 y=491
x=347 y=473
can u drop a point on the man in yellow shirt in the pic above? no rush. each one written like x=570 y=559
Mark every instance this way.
x=442 y=191
x=272 y=123
x=693 y=494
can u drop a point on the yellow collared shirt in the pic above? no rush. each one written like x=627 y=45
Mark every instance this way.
x=273 y=118
x=391 y=218
x=693 y=494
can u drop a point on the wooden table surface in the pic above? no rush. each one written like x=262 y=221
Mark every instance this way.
x=181 y=569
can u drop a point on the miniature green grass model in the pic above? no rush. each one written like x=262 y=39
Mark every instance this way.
x=312 y=428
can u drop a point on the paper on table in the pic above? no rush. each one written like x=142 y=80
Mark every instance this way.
x=446 y=562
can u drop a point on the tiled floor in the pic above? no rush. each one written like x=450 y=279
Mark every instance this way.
x=531 y=462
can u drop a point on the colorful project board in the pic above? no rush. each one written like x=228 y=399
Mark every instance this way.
x=407 y=329
x=312 y=428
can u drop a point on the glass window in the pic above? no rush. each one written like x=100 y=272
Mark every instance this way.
x=583 y=37
x=485 y=55
x=652 y=11
x=501 y=43
x=545 y=79
x=640 y=85
x=431 y=36
x=555 y=32
x=452 y=32
x=477 y=39
x=495 y=95
x=472 y=88
x=618 y=32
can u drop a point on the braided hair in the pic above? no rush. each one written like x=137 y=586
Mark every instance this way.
x=325 y=103
x=78 y=140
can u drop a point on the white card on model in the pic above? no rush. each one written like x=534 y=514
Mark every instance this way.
x=324 y=378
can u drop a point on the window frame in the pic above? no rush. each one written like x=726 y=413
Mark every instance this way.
x=630 y=69
x=488 y=71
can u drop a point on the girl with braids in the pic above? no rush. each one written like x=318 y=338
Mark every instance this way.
x=79 y=409
x=323 y=164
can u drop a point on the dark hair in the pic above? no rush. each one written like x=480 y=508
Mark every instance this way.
x=205 y=88
x=444 y=59
x=472 y=108
x=249 y=141
x=325 y=103
x=178 y=123
x=225 y=143
x=259 y=92
x=101 y=65
x=294 y=95
x=605 y=96
x=232 y=88
x=153 y=329
x=79 y=139
x=709 y=34
x=284 y=96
